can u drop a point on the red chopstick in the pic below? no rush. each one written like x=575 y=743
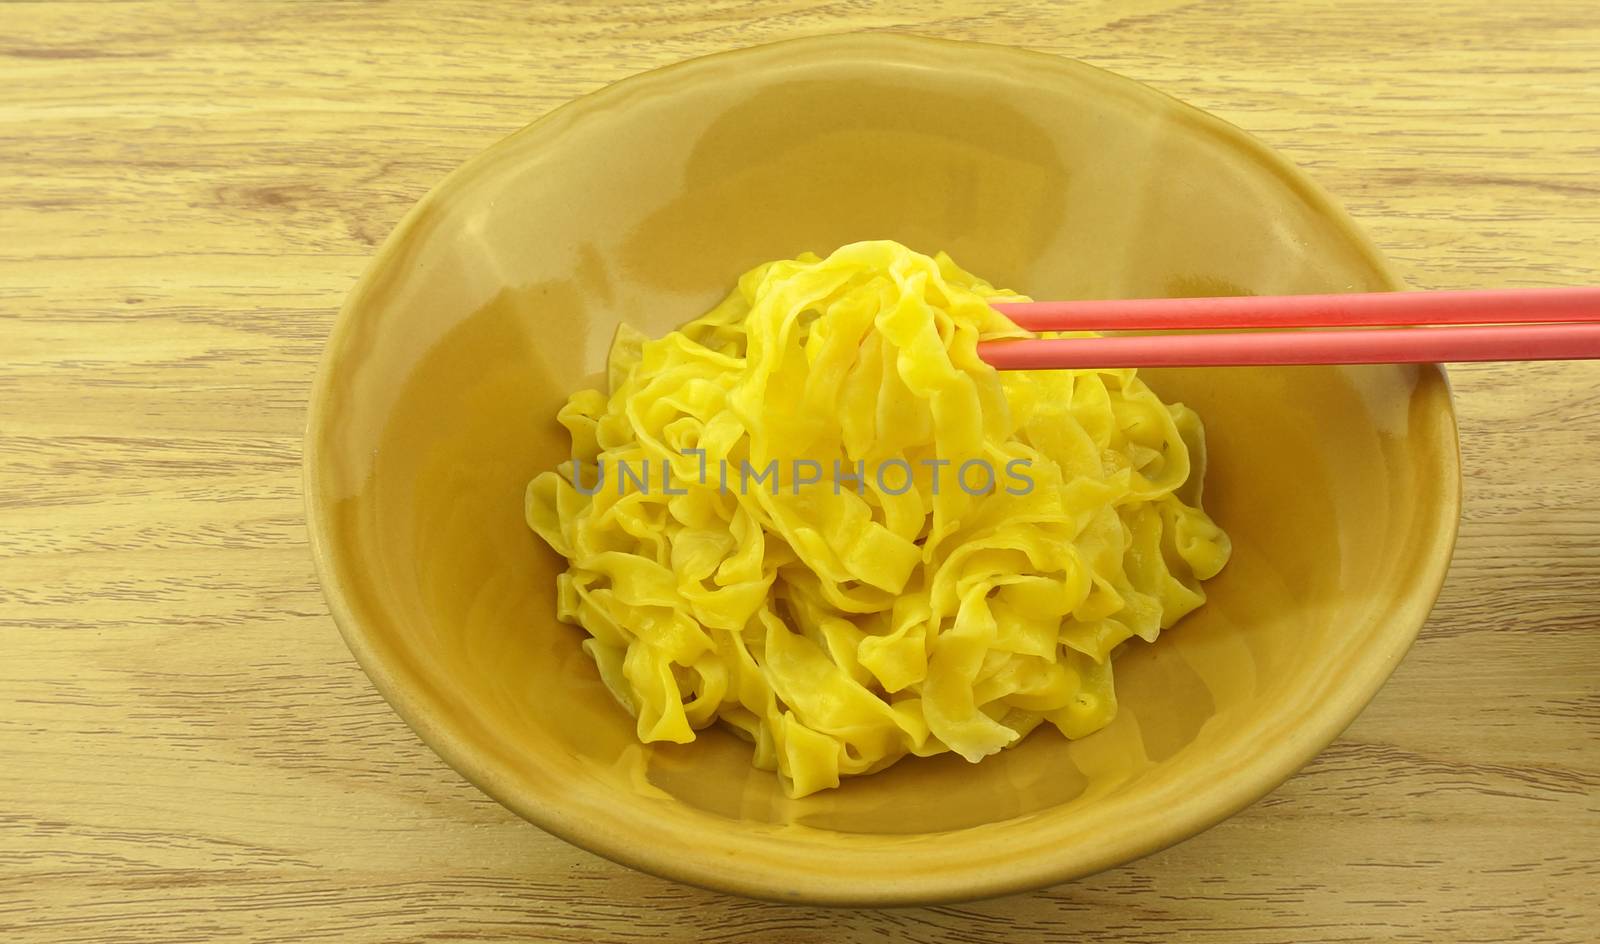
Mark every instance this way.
x=1554 y=342
x=1484 y=326
x=1360 y=309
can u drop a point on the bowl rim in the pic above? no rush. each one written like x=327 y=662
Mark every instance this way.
x=774 y=879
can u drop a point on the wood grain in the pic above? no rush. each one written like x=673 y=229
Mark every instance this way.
x=187 y=750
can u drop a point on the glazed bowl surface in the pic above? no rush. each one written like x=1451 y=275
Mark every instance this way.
x=498 y=294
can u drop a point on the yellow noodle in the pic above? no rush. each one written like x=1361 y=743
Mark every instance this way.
x=842 y=631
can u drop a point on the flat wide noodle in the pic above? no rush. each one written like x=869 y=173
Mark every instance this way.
x=816 y=515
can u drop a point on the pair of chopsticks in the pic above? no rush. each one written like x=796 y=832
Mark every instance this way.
x=1504 y=325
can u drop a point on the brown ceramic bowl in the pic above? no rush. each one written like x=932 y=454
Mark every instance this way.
x=642 y=202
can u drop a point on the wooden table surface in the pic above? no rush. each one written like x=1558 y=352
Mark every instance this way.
x=189 y=753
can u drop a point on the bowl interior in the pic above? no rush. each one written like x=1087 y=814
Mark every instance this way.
x=498 y=296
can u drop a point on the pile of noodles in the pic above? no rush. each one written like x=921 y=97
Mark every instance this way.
x=841 y=610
